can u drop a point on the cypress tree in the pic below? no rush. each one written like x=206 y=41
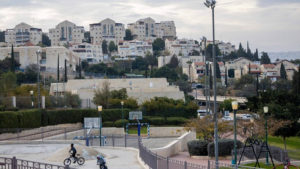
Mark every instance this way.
x=12 y=58
x=58 y=68
x=282 y=72
x=66 y=71
x=226 y=83
x=255 y=56
x=79 y=68
x=218 y=72
x=249 y=53
x=210 y=77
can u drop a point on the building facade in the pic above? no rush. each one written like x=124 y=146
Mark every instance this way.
x=107 y=30
x=182 y=47
x=66 y=33
x=290 y=68
x=148 y=29
x=134 y=48
x=48 y=57
x=22 y=34
x=225 y=47
x=88 y=52
x=235 y=67
x=269 y=71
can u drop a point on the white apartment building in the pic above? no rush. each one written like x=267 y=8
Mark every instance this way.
x=66 y=33
x=181 y=47
x=107 y=30
x=89 y=52
x=147 y=29
x=164 y=60
x=290 y=68
x=134 y=48
x=269 y=71
x=225 y=47
x=22 y=34
x=27 y=55
x=237 y=66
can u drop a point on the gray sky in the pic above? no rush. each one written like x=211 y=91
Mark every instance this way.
x=269 y=25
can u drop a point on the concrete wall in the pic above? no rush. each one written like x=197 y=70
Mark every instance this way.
x=167 y=131
x=176 y=146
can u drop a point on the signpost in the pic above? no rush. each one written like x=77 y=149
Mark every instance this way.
x=136 y=115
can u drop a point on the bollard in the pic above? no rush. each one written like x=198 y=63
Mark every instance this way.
x=14 y=163
x=125 y=140
x=167 y=162
x=113 y=140
x=208 y=164
x=65 y=134
x=185 y=165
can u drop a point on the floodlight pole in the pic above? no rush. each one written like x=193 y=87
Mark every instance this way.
x=211 y=4
x=100 y=125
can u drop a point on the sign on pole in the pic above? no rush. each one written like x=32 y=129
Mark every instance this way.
x=94 y=122
x=135 y=115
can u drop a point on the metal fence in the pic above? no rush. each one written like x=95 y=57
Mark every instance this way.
x=115 y=141
x=14 y=163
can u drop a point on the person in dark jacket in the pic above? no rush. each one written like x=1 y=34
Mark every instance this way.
x=73 y=151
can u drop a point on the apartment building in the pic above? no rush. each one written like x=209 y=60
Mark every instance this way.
x=148 y=29
x=269 y=71
x=182 y=47
x=89 y=52
x=107 y=30
x=225 y=47
x=252 y=69
x=134 y=48
x=290 y=68
x=66 y=33
x=27 y=55
x=235 y=67
x=22 y=34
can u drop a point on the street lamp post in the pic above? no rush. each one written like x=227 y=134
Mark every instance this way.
x=100 y=125
x=234 y=107
x=266 y=110
x=38 y=78
x=211 y=4
x=122 y=104
x=31 y=94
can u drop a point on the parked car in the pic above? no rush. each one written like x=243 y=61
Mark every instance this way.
x=227 y=118
x=246 y=116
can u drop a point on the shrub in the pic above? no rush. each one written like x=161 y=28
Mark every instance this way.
x=176 y=120
x=225 y=147
x=197 y=147
x=108 y=124
x=20 y=119
x=119 y=123
x=156 y=121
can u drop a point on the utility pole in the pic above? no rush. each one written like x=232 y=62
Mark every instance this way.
x=38 y=78
x=206 y=77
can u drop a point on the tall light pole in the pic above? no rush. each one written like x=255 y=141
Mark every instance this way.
x=122 y=104
x=38 y=52
x=234 y=107
x=206 y=76
x=100 y=125
x=266 y=110
x=211 y=4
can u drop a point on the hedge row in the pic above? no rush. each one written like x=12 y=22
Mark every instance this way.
x=38 y=118
x=203 y=148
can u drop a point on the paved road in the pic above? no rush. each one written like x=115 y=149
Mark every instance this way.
x=116 y=157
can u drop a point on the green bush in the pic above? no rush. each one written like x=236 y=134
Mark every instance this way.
x=119 y=123
x=108 y=124
x=225 y=147
x=156 y=121
x=20 y=119
x=176 y=120
x=197 y=147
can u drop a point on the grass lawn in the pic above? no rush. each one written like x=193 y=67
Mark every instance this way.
x=270 y=166
x=133 y=130
x=292 y=145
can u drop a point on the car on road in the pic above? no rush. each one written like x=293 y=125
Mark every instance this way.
x=246 y=117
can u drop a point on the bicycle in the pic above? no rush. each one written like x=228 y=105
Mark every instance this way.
x=78 y=159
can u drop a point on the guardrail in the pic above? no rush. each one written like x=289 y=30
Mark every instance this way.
x=14 y=163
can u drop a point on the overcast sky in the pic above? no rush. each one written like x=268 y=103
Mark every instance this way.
x=269 y=25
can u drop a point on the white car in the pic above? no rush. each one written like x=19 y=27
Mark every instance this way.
x=227 y=118
x=246 y=116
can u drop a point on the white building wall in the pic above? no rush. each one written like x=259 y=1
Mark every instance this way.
x=89 y=52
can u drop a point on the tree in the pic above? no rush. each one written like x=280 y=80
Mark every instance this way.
x=265 y=58
x=226 y=105
x=168 y=73
x=241 y=52
x=2 y=36
x=8 y=82
x=249 y=53
x=5 y=65
x=231 y=73
x=255 y=56
x=140 y=63
x=283 y=72
x=57 y=68
x=66 y=71
x=128 y=35
x=210 y=78
x=265 y=84
x=158 y=45
x=173 y=62
x=112 y=47
x=103 y=95
x=226 y=78
x=104 y=47
x=119 y=94
x=87 y=36
x=218 y=74
x=31 y=72
x=296 y=83
x=12 y=58
x=195 y=53
x=45 y=40
x=209 y=50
